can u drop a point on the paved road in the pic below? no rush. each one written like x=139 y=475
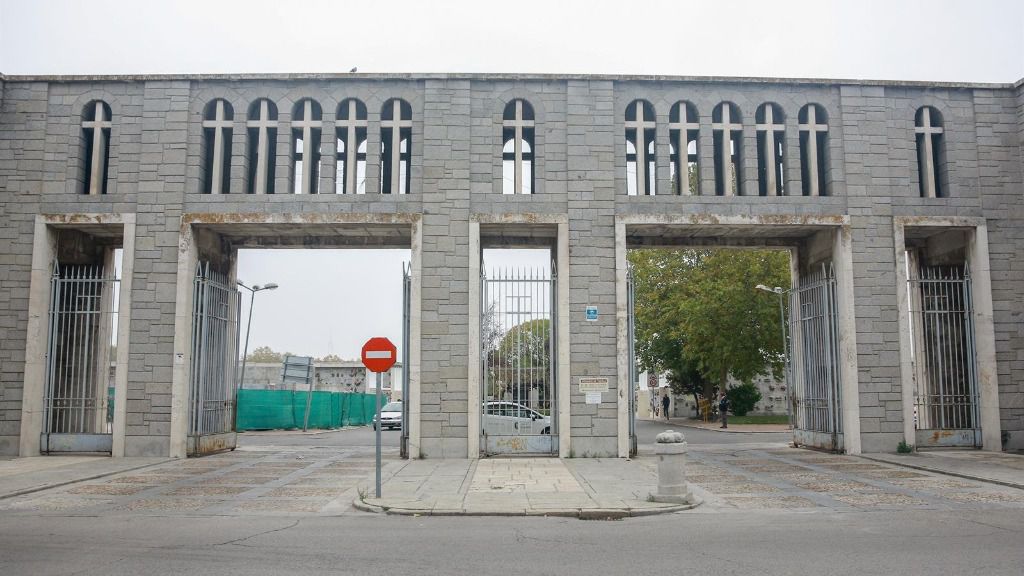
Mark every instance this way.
x=931 y=543
x=348 y=437
x=647 y=430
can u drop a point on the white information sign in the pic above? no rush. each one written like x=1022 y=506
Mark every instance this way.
x=593 y=397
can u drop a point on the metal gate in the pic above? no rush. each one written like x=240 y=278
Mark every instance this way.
x=406 y=317
x=81 y=340
x=815 y=361
x=517 y=338
x=943 y=355
x=215 y=334
x=631 y=338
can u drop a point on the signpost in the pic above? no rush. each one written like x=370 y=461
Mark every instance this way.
x=379 y=355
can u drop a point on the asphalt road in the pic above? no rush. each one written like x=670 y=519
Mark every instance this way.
x=363 y=436
x=932 y=543
x=348 y=437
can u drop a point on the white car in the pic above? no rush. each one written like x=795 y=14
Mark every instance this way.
x=390 y=416
x=512 y=419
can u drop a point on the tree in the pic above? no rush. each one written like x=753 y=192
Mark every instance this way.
x=330 y=358
x=699 y=317
x=264 y=354
x=521 y=360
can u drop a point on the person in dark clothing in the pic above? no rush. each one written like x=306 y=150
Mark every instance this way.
x=723 y=408
x=665 y=401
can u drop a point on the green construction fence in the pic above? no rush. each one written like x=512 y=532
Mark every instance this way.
x=285 y=409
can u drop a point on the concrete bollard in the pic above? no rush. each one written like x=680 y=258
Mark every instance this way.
x=670 y=446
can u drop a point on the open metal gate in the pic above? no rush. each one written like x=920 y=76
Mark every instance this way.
x=215 y=335
x=944 y=359
x=815 y=361
x=406 y=318
x=81 y=339
x=631 y=338
x=517 y=338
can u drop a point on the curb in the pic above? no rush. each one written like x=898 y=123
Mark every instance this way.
x=83 y=479
x=946 y=472
x=581 y=513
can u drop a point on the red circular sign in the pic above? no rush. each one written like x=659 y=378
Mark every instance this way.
x=379 y=354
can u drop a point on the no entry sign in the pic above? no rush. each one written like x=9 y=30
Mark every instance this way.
x=379 y=354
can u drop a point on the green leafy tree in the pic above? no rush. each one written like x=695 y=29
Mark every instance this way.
x=699 y=317
x=521 y=359
x=743 y=398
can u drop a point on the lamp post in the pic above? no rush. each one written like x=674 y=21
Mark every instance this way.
x=252 y=296
x=778 y=291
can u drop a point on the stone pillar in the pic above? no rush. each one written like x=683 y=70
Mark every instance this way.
x=670 y=447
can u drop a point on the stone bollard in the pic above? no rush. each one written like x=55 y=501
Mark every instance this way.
x=670 y=446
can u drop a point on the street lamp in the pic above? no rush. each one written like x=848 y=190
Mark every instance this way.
x=252 y=296
x=778 y=291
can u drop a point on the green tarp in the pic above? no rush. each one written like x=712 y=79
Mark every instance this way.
x=285 y=409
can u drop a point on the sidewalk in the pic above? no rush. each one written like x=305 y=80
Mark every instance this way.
x=716 y=426
x=584 y=488
x=994 y=467
x=25 y=475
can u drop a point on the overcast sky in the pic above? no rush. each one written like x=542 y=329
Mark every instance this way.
x=329 y=302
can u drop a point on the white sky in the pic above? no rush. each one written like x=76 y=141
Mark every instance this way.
x=331 y=301
x=976 y=40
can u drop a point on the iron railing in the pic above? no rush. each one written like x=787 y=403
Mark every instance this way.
x=816 y=378
x=215 y=335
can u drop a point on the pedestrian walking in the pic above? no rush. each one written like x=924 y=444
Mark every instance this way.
x=723 y=408
x=665 y=401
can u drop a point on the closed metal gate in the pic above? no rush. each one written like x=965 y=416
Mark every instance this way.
x=815 y=361
x=406 y=318
x=631 y=336
x=517 y=337
x=943 y=355
x=81 y=340
x=215 y=334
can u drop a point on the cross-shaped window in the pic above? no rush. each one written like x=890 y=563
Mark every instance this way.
x=770 y=123
x=218 y=120
x=931 y=152
x=261 y=154
x=395 y=146
x=684 y=132
x=96 y=125
x=727 y=132
x=814 y=150
x=351 y=132
x=307 y=126
x=517 y=148
x=640 y=150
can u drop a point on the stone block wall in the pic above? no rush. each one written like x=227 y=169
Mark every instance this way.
x=155 y=172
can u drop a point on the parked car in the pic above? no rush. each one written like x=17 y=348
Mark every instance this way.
x=512 y=419
x=390 y=416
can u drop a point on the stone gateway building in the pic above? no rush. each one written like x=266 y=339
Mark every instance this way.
x=124 y=201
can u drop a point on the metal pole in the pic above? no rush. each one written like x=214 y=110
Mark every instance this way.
x=378 y=427
x=785 y=350
x=245 y=353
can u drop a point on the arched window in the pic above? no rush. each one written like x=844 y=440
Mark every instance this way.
x=351 y=133
x=395 y=146
x=307 y=126
x=814 y=150
x=684 y=130
x=931 y=152
x=261 y=153
x=218 y=120
x=96 y=125
x=727 y=132
x=640 y=151
x=517 y=148
x=771 y=136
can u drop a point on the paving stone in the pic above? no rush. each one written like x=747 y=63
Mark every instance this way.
x=879 y=499
x=207 y=491
x=166 y=504
x=108 y=489
x=770 y=502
